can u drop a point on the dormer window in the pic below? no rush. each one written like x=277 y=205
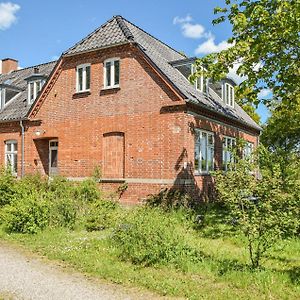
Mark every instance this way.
x=35 y=83
x=83 y=78
x=7 y=93
x=34 y=87
x=228 y=94
x=186 y=68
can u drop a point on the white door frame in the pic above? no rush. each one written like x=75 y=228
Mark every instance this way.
x=50 y=158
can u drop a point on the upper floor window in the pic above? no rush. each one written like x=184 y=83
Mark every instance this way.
x=83 y=78
x=228 y=155
x=187 y=69
x=7 y=93
x=11 y=156
x=228 y=94
x=112 y=73
x=34 y=87
x=204 y=151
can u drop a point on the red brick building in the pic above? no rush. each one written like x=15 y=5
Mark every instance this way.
x=120 y=100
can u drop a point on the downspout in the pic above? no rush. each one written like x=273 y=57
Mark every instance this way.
x=22 y=147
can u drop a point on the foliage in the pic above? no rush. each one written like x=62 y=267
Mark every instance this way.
x=265 y=43
x=169 y=199
x=7 y=187
x=148 y=236
x=102 y=214
x=261 y=208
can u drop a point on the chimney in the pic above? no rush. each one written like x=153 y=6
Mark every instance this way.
x=8 y=65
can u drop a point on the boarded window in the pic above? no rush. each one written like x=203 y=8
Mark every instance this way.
x=113 y=155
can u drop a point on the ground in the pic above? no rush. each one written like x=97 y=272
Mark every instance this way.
x=27 y=276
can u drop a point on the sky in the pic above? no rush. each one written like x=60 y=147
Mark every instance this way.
x=34 y=31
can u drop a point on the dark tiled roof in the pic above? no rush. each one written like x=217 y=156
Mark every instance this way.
x=18 y=108
x=119 y=30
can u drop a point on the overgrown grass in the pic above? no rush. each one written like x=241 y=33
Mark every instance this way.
x=222 y=273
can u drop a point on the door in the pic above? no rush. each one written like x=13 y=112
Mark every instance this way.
x=53 y=157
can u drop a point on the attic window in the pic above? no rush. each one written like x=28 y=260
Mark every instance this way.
x=6 y=95
x=112 y=73
x=187 y=69
x=34 y=87
x=228 y=94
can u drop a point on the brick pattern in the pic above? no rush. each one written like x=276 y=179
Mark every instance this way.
x=139 y=131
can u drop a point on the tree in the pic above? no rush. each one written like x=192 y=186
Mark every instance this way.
x=266 y=46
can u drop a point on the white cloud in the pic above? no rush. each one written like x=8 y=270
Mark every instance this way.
x=233 y=75
x=186 y=19
x=8 y=12
x=210 y=46
x=194 y=31
x=264 y=93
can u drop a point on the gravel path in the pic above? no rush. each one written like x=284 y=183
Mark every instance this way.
x=24 y=276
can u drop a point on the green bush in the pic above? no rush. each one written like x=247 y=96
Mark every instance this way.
x=149 y=236
x=87 y=191
x=27 y=215
x=7 y=187
x=102 y=214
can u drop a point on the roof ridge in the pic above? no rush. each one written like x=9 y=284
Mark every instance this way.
x=123 y=26
x=89 y=35
x=22 y=69
x=155 y=38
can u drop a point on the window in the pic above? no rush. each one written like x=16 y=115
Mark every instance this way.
x=11 y=156
x=248 y=150
x=34 y=87
x=228 y=157
x=7 y=94
x=188 y=69
x=228 y=94
x=83 y=78
x=112 y=73
x=204 y=151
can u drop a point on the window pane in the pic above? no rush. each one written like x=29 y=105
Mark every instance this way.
x=185 y=70
x=117 y=72
x=88 y=77
x=210 y=161
x=15 y=147
x=37 y=87
x=53 y=158
x=15 y=163
x=31 y=87
x=8 y=147
x=80 y=79
x=203 y=151
x=108 y=73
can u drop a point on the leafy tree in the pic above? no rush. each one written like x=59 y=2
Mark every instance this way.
x=266 y=45
x=262 y=209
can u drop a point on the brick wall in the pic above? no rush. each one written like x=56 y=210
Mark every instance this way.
x=141 y=128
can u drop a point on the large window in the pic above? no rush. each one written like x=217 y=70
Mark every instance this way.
x=111 y=73
x=204 y=151
x=34 y=87
x=228 y=156
x=83 y=78
x=11 y=156
x=228 y=94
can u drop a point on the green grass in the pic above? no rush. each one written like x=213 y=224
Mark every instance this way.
x=222 y=274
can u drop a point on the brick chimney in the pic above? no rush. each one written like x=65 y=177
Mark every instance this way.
x=8 y=65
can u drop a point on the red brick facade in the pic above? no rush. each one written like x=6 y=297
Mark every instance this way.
x=140 y=133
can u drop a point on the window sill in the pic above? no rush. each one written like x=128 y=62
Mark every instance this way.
x=81 y=94
x=116 y=87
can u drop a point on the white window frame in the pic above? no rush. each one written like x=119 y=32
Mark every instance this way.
x=35 y=89
x=227 y=155
x=248 y=150
x=207 y=170
x=3 y=96
x=112 y=73
x=13 y=153
x=228 y=100
x=84 y=88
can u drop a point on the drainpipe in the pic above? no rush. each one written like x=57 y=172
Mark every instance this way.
x=22 y=148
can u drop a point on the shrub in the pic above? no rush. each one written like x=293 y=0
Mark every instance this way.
x=27 y=215
x=87 y=191
x=169 y=199
x=149 y=236
x=7 y=187
x=102 y=214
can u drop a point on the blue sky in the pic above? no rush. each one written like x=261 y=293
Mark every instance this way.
x=34 y=31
